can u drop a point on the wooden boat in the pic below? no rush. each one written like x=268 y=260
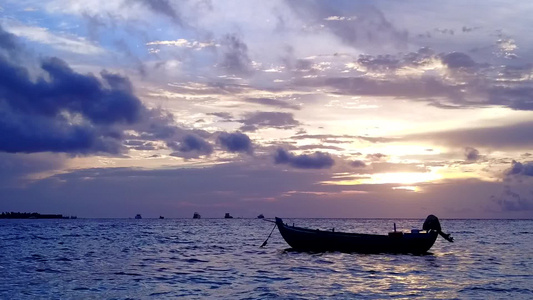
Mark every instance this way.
x=416 y=242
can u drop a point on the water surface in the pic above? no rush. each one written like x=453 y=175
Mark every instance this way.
x=221 y=259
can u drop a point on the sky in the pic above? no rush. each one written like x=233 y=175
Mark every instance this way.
x=318 y=109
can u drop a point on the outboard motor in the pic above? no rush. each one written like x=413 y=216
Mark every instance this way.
x=432 y=223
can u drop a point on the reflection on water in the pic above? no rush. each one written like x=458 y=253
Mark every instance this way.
x=217 y=258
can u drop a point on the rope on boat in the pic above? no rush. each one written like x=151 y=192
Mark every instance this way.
x=265 y=242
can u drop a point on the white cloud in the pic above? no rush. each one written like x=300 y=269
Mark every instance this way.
x=61 y=42
x=183 y=43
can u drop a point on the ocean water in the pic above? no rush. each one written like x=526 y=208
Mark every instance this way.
x=221 y=259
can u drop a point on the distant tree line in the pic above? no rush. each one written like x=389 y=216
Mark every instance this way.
x=25 y=215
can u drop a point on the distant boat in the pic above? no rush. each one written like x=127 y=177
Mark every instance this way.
x=196 y=216
x=261 y=216
x=161 y=217
x=138 y=216
x=416 y=242
x=228 y=216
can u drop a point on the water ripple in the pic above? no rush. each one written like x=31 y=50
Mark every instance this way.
x=221 y=259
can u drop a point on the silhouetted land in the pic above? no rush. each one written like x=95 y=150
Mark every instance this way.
x=19 y=215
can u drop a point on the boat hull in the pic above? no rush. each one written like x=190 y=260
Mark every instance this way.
x=304 y=239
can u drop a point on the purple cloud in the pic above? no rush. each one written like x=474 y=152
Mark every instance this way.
x=456 y=60
x=235 y=58
x=471 y=154
x=191 y=143
x=36 y=114
x=518 y=168
x=358 y=164
x=279 y=120
x=235 y=142
x=318 y=160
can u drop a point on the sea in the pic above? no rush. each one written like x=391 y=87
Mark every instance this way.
x=223 y=259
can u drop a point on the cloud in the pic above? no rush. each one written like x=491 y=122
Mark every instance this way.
x=183 y=43
x=279 y=120
x=273 y=102
x=163 y=7
x=457 y=60
x=110 y=101
x=358 y=164
x=514 y=97
x=9 y=42
x=42 y=35
x=319 y=146
x=358 y=24
x=502 y=137
x=235 y=142
x=39 y=134
x=140 y=145
x=518 y=168
x=62 y=110
x=376 y=156
x=514 y=200
x=191 y=146
x=16 y=169
x=471 y=154
x=223 y=115
x=332 y=138
x=65 y=112
x=446 y=80
x=382 y=63
x=318 y=160
x=235 y=59
x=386 y=167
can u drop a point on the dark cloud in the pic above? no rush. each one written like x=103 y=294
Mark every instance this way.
x=223 y=115
x=273 y=102
x=456 y=60
x=279 y=120
x=518 y=168
x=107 y=102
x=163 y=7
x=60 y=110
x=471 y=154
x=515 y=97
x=381 y=63
x=318 y=160
x=40 y=134
x=235 y=142
x=235 y=57
x=191 y=144
x=66 y=112
x=8 y=42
